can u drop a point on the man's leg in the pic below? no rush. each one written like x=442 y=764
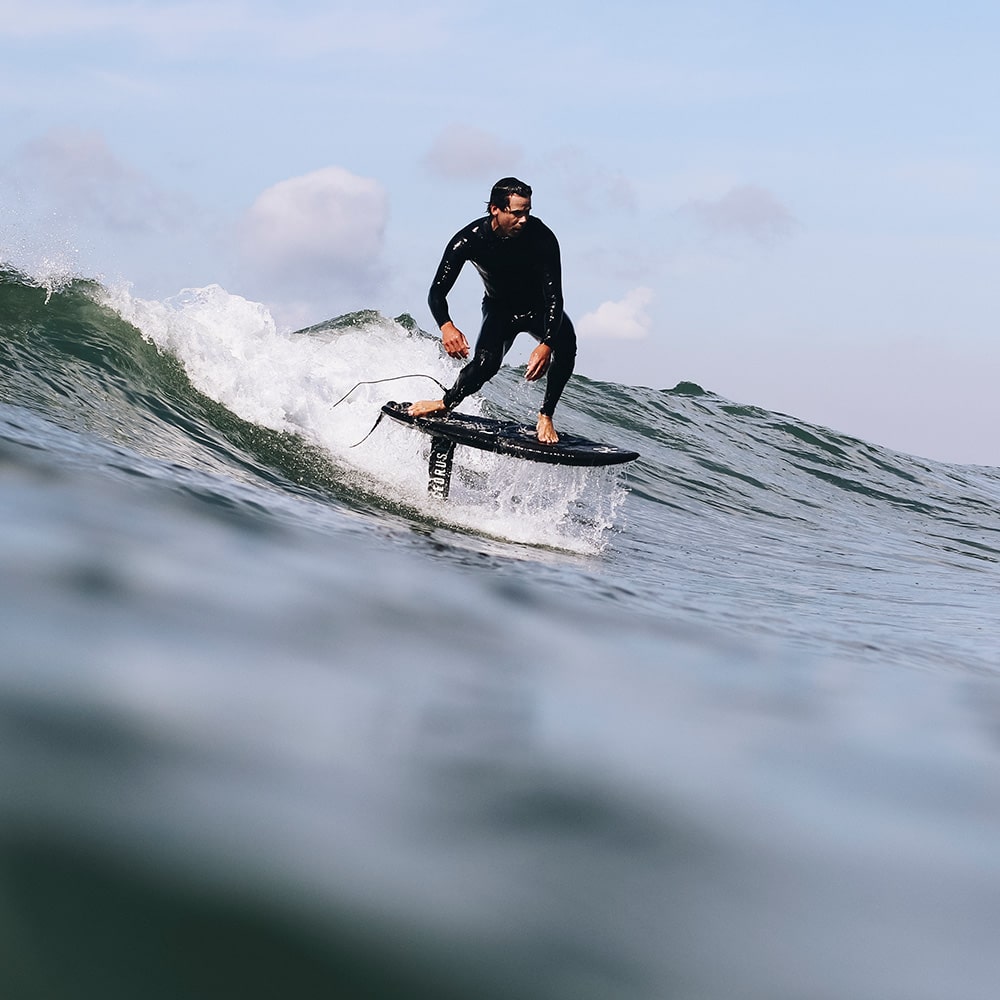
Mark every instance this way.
x=494 y=341
x=560 y=369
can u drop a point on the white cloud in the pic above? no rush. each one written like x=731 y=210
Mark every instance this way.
x=76 y=173
x=324 y=226
x=467 y=151
x=626 y=319
x=745 y=210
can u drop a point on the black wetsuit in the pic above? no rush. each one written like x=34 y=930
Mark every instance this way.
x=523 y=279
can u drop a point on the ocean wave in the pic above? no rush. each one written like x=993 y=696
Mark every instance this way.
x=272 y=718
x=206 y=378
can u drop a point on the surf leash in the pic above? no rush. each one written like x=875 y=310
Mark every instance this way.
x=393 y=378
x=376 y=381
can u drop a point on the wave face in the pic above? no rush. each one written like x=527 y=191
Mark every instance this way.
x=721 y=723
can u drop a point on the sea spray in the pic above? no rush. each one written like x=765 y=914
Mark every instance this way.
x=307 y=383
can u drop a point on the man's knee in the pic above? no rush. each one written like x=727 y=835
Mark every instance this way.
x=564 y=354
x=487 y=364
x=565 y=341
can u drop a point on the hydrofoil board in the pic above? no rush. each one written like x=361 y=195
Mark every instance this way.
x=507 y=437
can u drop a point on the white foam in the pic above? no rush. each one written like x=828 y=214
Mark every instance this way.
x=297 y=382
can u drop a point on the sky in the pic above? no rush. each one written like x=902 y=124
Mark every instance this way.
x=794 y=205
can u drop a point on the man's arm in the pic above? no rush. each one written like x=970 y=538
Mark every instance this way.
x=452 y=260
x=454 y=257
x=551 y=275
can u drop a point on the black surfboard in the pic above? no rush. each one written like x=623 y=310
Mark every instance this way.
x=507 y=437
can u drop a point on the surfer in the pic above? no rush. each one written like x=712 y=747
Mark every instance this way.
x=517 y=256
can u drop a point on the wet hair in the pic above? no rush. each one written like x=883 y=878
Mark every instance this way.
x=504 y=188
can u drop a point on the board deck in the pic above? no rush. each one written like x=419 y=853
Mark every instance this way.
x=506 y=437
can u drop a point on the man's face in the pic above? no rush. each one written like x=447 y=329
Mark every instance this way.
x=512 y=219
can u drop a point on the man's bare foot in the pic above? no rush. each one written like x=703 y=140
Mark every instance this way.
x=425 y=407
x=546 y=432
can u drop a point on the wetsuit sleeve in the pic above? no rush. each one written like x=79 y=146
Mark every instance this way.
x=551 y=267
x=454 y=257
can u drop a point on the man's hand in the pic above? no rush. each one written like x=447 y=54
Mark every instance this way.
x=538 y=363
x=454 y=341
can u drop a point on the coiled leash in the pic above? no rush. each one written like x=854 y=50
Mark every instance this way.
x=394 y=378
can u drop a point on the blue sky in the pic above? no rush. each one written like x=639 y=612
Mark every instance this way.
x=795 y=205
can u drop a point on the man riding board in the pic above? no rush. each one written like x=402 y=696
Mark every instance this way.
x=517 y=256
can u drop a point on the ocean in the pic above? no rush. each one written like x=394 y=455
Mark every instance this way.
x=722 y=723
